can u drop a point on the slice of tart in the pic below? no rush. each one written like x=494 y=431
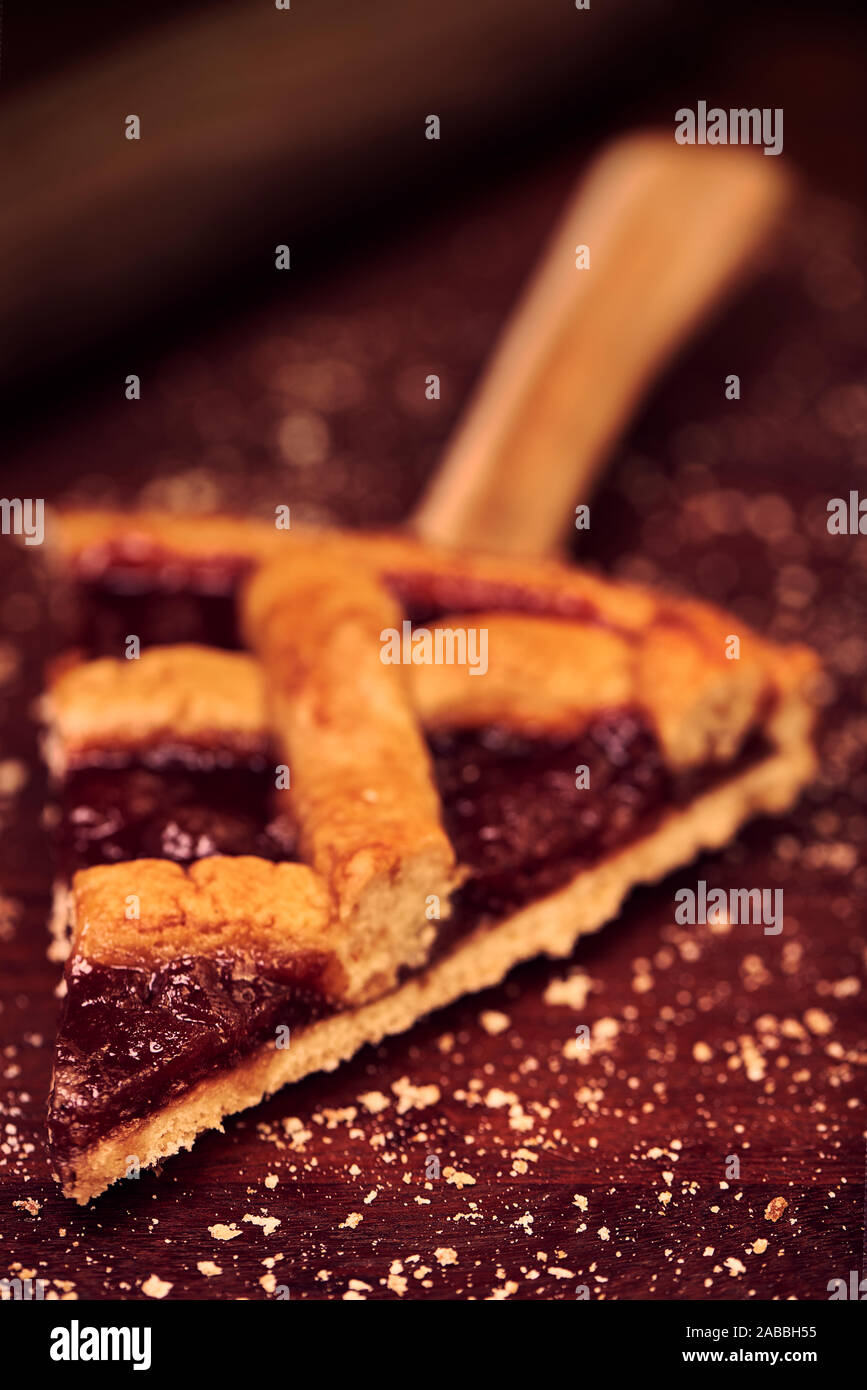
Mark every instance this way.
x=269 y=857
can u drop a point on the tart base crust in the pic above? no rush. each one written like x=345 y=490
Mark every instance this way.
x=549 y=927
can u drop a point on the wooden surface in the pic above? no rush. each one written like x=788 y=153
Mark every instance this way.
x=666 y=232
x=555 y=1173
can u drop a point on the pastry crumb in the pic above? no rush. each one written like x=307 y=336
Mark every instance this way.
x=494 y=1022
x=775 y=1208
x=569 y=993
x=221 y=1232
x=155 y=1287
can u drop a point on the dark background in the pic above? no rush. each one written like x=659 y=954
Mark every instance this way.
x=256 y=391
x=584 y=77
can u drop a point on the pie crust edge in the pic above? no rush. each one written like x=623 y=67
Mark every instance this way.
x=550 y=926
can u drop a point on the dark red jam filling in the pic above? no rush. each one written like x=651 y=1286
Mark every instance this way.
x=166 y=604
x=176 y=811
x=527 y=814
x=524 y=814
x=132 y=1038
x=105 y=615
x=427 y=597
x=511 y=808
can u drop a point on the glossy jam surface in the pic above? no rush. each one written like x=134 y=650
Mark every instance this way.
x=524 y=815
x=427 y=597
x=158 y=616
x=511 y=807
x=177 y=812
x=169 y=604
x=132 y=1038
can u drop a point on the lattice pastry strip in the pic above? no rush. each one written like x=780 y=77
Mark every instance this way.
x=544 y=676
x=685 y=742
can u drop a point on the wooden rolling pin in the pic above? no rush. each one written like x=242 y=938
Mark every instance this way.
x=668 y=228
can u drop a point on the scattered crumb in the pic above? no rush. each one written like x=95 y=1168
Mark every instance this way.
x=397 y=1281
x=154 y=1287
x=458 y=1180
x=775 y=1208
x=414 y=1097
x=269 y=1224
x=569 y=993
x=220 y=1232
x=496 y=1099
x=818 y=1022
x=374 y=1102
x=494 y=1022
x=499 y=1295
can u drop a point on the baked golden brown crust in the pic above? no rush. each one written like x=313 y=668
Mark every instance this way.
x=548 y=675
x=145 y=911
x=544 y=676
x=550 y=926
x=562 y=646
x=363 y=794
x=186 y=695
x=86 y=540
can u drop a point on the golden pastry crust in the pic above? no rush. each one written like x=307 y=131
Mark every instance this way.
x=146 y=911
x=544 y=676
x=363 y=795
x=87 y=540
x=186 y=695
x=362 y=791
x=550 y=926
x=277 y=917
x=453 y=580
x=550 y=676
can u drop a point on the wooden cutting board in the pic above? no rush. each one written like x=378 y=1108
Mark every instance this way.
x=555 y=1175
